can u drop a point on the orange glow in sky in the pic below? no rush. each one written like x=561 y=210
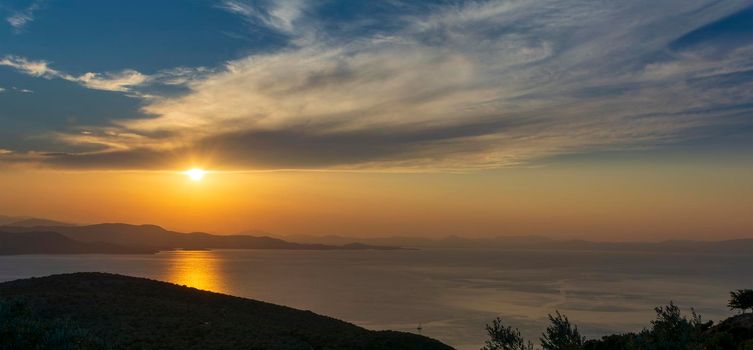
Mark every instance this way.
x=613 y=201
x=195 y=174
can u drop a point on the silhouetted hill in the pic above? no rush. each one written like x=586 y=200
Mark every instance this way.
x=136 y=313
x=254 y=233
x=156 y=237
x=5 y=219
x=35 y=222
x=424 y=242
x=55 y=243
x=740 y=326
x=734 y=246
x=27 y=221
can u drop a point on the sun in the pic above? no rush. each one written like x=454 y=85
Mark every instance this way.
x=195 y=174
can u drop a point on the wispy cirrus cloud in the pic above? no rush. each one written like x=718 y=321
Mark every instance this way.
x=120 y=81
x=13 y=88
x=21 y=90
x=279 y=15
x=472 y=85
x=123 y=81
x=19 y=19
x=30 y=67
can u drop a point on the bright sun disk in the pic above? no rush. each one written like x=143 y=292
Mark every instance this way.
x=195 y=174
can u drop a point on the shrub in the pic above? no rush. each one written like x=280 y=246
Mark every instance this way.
x=21 y=329
x=504 y=338
x=741 y=299
x=561 y=335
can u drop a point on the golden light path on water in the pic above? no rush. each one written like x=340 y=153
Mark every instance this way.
x=196 y=268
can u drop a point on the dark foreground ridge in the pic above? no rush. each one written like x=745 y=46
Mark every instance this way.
x=123 y=312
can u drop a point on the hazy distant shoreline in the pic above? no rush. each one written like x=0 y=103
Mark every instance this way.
x=43 y=236
x=141 y=239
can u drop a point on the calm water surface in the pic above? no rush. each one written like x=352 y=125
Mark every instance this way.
x=451 y=293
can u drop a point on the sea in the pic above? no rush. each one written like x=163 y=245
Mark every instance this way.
x=447 y=294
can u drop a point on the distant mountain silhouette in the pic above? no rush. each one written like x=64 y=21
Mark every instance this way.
x=254 y=233
x=35 y=222
x=4 y=219
x=734 y=246
x=137 y=313
x=26 y=221
x=55 y=243
x=153 y=237
x=452 y=241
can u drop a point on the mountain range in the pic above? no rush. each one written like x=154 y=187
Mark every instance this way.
x=26 y=221
x=742 y=246
x=126 y=238
x=55 y=243
x=50 y=236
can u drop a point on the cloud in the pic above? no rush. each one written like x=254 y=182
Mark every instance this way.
x=19 y=19
x=122 y=81
x=465 y=86
x=30 y=67
x=25 y=91
x=181 y=75
x=279 y=15
x=2 y=89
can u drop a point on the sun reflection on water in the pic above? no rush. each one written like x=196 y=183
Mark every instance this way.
x=196 y=268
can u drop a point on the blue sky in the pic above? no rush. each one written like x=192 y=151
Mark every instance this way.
x=388 y=85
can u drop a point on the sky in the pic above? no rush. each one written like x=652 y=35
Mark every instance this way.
x=605 y=120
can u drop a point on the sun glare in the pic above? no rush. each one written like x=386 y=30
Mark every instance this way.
x=195 y=174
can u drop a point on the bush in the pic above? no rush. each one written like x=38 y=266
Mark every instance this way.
x=561 y=335
x=669 y=331
x=742 y=299
x=504 y=338
x=21 y=329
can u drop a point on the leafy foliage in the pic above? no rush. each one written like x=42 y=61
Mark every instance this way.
x=561 y=335
x=504 y=338
x=669 y=331
x=741 y=299
x=137 y=313
x=20 y=328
